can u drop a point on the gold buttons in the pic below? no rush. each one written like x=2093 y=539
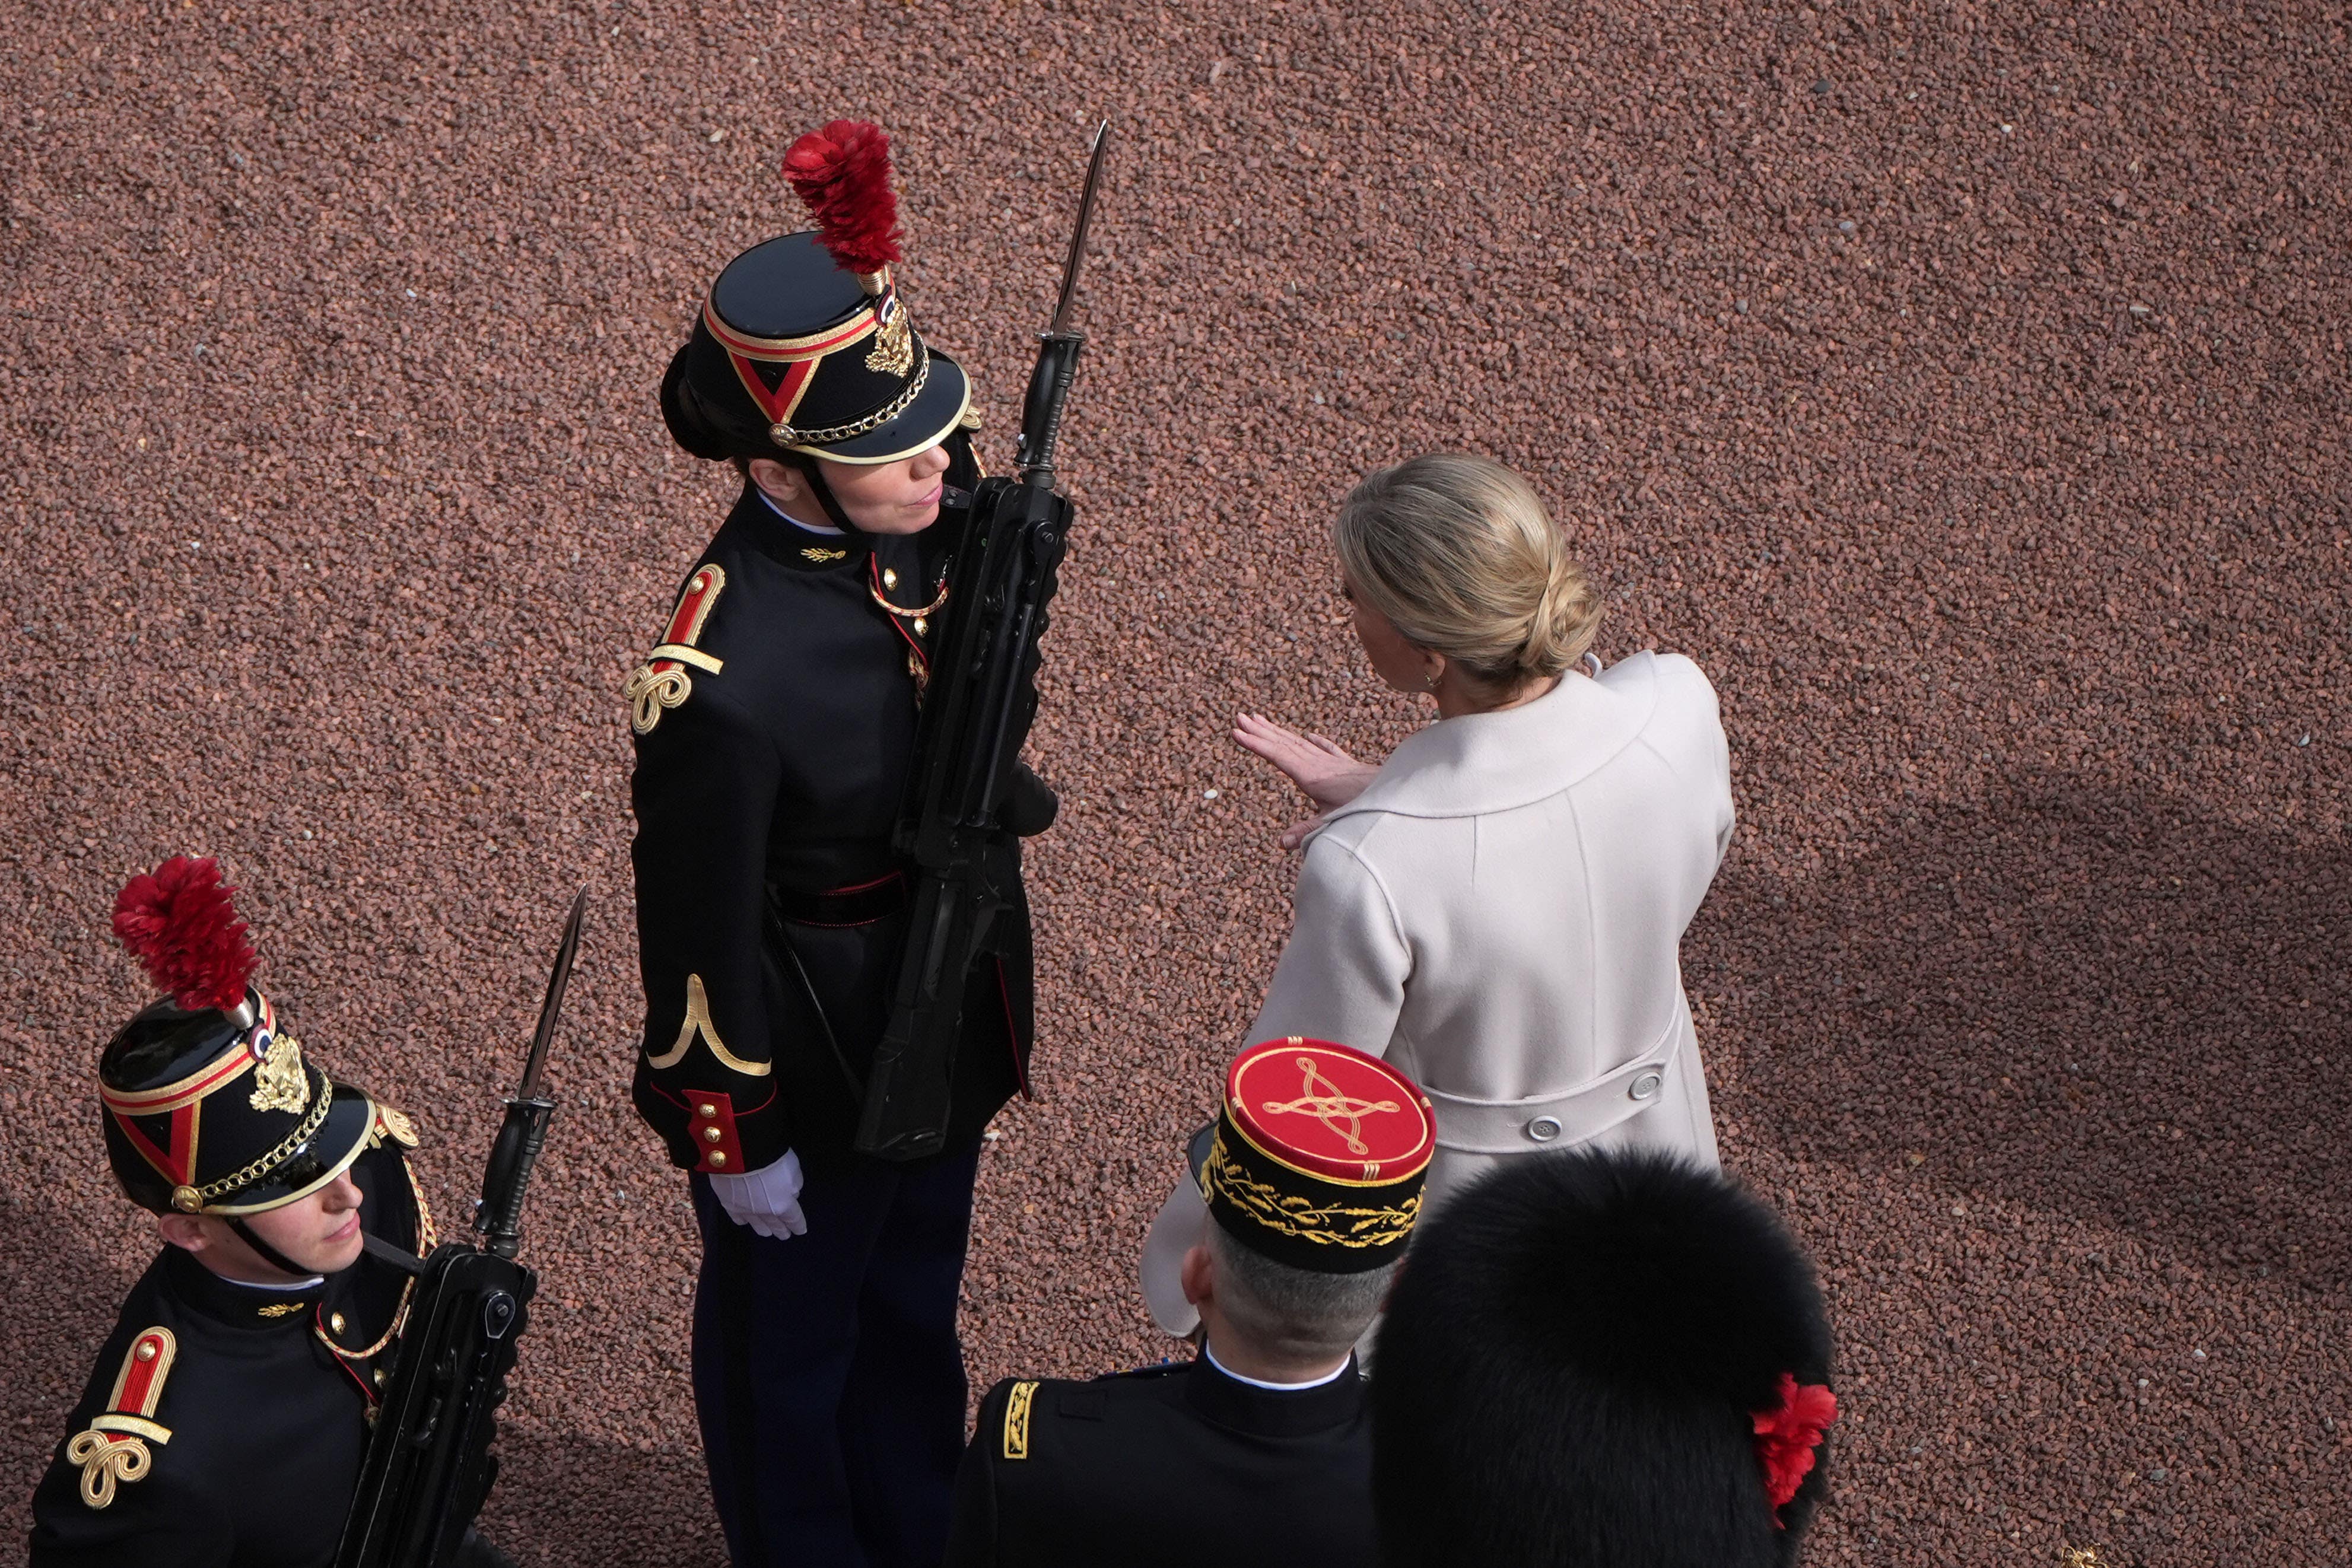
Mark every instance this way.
x=890 y=578
x=717 y=1159
x=335 y=1322
x=708 y=1110
x=922 y=625
x=380 y=1376
x=711 y=1134
x=146 y=1350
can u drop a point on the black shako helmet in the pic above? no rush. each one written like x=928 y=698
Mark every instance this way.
x=209 y=1107
x=803 y=349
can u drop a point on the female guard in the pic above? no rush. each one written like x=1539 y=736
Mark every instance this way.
x=775 y=726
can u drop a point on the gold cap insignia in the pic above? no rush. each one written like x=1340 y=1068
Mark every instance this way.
x=279 y=1083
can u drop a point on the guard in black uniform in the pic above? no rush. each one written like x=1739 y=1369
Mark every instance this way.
x=226 y=1419
x=775 y=727
x=1257 y=1455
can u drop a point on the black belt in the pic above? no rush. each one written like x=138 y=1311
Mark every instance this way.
x=860 y=903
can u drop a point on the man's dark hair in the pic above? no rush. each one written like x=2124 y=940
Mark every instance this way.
x=1568 y=1366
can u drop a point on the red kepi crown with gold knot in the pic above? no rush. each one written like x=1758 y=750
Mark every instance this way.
x=1319 y=1156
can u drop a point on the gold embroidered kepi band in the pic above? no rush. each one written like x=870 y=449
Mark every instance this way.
x=1318 y=1155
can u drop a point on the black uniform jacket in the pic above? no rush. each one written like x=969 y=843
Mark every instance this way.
x=776 y=730
x=223 y=1426
x=1180 y=1465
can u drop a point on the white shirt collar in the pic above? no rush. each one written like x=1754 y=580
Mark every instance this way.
x=312 y=1283
x=1332 y=1376
x=805 y=528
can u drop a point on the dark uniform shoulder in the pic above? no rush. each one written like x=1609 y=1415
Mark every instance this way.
x=113 y=1450
x=205 y=1382
x=666 y=679
x=120 y=1488
x=1018 y=1413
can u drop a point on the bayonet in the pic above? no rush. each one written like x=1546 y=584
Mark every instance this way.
x=552 y=1006
x=500 y=1215
x=1058 y=344
x=1078 y=256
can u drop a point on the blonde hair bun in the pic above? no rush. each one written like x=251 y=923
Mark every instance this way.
x=1458 y=552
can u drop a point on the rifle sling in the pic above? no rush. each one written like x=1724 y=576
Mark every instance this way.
x=779 y=938
x=384 y=1251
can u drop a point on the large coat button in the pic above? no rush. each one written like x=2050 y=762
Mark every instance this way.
x=1544 y=1129
x=1647 y=1084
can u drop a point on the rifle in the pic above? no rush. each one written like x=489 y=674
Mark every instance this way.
x=429 y=1464
x=976 y=714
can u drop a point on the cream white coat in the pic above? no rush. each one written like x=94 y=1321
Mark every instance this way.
x=1499 y=914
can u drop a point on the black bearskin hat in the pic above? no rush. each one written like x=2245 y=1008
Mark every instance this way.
x=1609 y=1360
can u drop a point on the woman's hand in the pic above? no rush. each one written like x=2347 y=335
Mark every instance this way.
x=1316 y=763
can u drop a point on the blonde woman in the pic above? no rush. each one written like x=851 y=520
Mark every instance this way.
x=1497 y=908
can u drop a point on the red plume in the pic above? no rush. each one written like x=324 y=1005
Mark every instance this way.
x=1787 y=1435
x=178 y=922
x=843 y=173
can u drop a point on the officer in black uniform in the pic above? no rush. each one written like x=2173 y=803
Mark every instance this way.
x=1258 y=1454
x=775 y=726
x=224 y=1421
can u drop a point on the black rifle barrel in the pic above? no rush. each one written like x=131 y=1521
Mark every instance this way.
x=428 y=1464
x=976 y=714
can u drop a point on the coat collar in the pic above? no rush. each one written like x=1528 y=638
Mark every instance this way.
x=766 y=529
x=1270 y=1413
x=1484 y=762
x=238 y=1306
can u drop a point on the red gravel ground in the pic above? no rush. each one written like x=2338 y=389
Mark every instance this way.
x=1963 y=386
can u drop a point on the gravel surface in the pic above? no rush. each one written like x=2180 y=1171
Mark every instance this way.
x=1964 y=387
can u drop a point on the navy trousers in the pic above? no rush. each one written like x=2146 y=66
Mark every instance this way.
x=827 y=1374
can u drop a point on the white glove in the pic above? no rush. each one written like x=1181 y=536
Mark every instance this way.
x=768 y=1200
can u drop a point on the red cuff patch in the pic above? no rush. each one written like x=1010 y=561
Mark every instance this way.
x=711 y=1125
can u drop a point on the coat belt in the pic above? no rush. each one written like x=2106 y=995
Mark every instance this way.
x=1571 y=1117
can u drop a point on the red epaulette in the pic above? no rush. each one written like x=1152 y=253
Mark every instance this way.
x=114 y=1447
x=661 y=683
